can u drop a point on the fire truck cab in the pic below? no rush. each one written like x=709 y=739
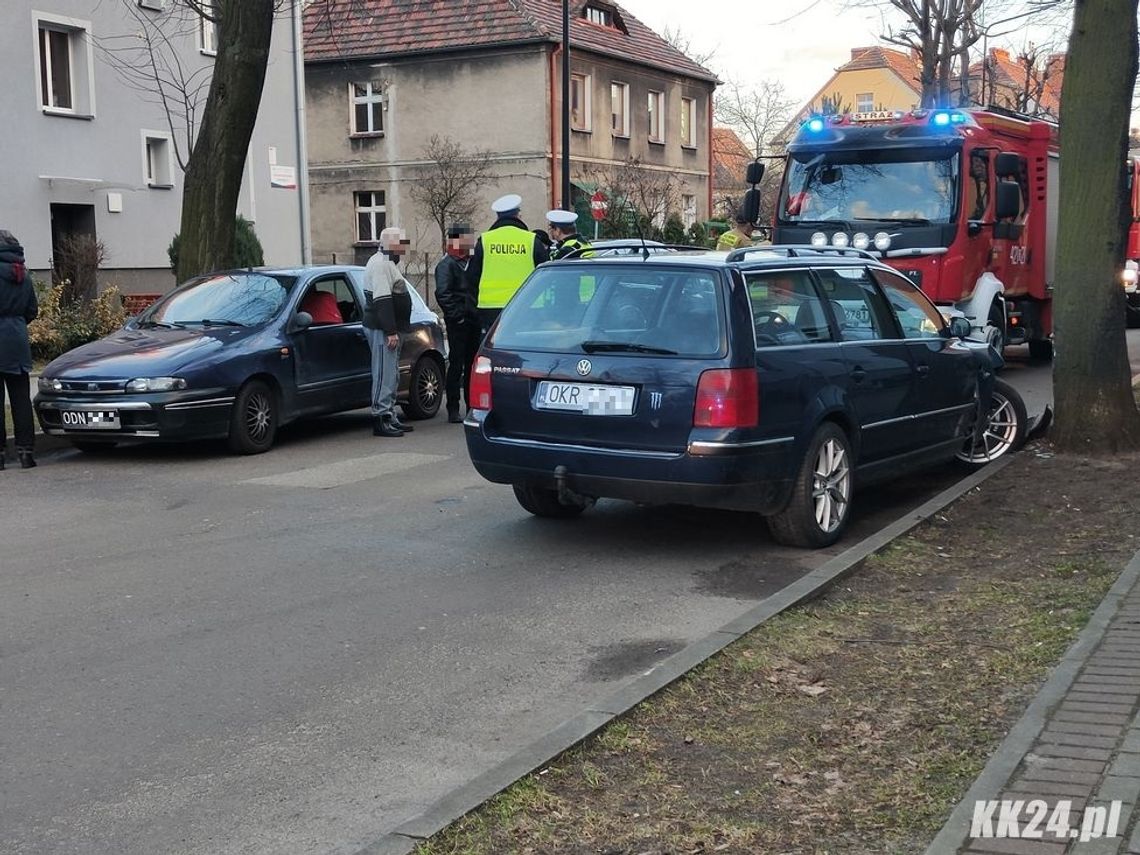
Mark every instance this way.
x=963 y=202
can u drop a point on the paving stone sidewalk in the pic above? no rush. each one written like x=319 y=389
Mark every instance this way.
x=1083 y=738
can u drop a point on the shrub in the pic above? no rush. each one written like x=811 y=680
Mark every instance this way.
x=65 y=323
x=674 y=231
x=247 y=247
x=697 y=235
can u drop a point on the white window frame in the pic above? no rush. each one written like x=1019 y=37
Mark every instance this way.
x=81 y=65
x=867 y=106
x=688 y=210
x=622 y=131
x=585 y=82
x=162 y=177
x=376 y=98
x=372 y=210
x=655 y=107
x=689 y=116
x=207 y=32
x=599 y=16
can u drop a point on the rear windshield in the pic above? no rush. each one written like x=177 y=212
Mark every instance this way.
x=620 y=308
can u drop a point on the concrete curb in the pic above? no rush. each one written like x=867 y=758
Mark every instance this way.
x=1020 y=739
x=406 y=836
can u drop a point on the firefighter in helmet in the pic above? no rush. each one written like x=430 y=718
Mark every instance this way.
x=738 y=236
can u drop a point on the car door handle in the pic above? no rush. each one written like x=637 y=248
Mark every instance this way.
x=922 y=370
x=858 y=374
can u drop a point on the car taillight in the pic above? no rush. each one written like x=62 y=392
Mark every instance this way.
x=479 y=393
x=727 y=398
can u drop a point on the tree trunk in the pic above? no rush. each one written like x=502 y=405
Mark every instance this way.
x=1096 y=412
x=217 y=163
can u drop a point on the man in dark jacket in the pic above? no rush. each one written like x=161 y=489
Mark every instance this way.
x=504 y=256
x=459 y=314
x=18 y=308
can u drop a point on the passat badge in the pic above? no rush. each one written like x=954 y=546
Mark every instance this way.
x=584 y=367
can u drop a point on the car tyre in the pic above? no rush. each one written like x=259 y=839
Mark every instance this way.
x=253 y=422
x=995 y=332
x=425 y=389
x=544 y=502
x=92 y=447
x=1005 y=429
x=820 y=503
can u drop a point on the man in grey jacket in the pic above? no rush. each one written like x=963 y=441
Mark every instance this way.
x=387 y=315
x=18 y=308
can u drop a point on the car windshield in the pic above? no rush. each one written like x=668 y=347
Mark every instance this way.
x=224 y=299
x=635 y=309
x=914 y=185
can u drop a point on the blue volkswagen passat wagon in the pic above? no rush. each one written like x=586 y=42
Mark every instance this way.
x=772 y=380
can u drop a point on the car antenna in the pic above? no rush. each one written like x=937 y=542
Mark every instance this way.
x=640 y=235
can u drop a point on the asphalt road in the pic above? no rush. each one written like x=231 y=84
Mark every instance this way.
x=298 y=651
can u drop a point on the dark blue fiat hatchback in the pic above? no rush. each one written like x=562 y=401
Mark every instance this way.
x=770 y=380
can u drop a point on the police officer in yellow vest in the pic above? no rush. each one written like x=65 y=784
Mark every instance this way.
x=737 y=237
x=504 y=256
x=564 y=229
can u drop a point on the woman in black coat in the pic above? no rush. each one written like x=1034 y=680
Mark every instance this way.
x=17 y=309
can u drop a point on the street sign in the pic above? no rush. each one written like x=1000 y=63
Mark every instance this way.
x=598 y=205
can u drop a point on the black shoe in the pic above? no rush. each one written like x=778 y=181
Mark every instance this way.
x=27 y=461
x=1 y=459
x=406 y=428
x=454 y=418
x=384 y=427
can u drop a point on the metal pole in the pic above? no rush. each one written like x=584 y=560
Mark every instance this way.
x=566 y=105
x=303 y=197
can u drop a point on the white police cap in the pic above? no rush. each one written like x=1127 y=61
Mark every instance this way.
x=561 y=218
x=506 y=204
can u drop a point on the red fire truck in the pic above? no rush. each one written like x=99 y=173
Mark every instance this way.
x=963 y=202
x=1132 y=263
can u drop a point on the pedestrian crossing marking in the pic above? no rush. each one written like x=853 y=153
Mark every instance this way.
x=344 y=472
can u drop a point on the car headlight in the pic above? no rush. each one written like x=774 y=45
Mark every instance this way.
x=860 y=241
x=48 y=384
x=840 y=239
x=156 y=384
x=882 y=241
x=819 y=239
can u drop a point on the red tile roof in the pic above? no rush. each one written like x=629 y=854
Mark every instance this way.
x=730 y=158
x=902 y=64
x=366 y=29
x=1007 y=83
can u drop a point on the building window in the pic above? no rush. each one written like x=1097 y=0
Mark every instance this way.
x=601 y=17
x=688 y=122
x=367 y=109
x=688 y=210
x=156 y=159
x=64 y=64
x=657 y=117
x=865 y=102
x=370 y=216
x=207 y=30
x=619 y=109
x=580 y=102
x=153 y=5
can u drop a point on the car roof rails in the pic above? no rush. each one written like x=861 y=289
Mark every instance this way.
x=795 y=250
x=629 y=250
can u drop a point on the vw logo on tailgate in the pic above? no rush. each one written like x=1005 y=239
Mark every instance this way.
x=584 y=367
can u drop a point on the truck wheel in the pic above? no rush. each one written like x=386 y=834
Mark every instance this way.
x=995 y=328
x=1132 y=317
x=1005 y=428
x=543 y=502
x=1041 y=348
x=821 y=497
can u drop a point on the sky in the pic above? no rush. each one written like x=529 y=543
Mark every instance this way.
x=798 y=42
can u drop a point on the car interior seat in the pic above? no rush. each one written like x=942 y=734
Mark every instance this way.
x=323 y=307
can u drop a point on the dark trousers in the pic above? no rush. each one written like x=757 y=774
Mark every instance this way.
x=487 y=317
x=462 y=343
x=19 y=393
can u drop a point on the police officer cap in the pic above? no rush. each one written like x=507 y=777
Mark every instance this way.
x=561 y=218
x=506 y=204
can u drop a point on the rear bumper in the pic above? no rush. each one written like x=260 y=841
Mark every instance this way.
x=736 y=476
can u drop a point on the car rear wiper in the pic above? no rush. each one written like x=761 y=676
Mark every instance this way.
x=623 y=347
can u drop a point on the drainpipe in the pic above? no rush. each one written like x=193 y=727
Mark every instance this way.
x=554 y=54
x=709 y=183
x=302 y=140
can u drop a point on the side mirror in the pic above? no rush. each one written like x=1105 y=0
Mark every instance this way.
x=960 y=327
x=750 y=205
x=1008 y=204
x=302 y=321
x=755 y=173
x=1007 y=165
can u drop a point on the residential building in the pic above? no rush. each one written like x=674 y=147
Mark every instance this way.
x=384 y=77
x=89 y=148
x=1026 y=83
x=730 y=163
x=875 y=78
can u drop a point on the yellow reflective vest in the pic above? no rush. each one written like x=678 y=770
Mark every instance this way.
x=731 y=240
x=508 y=258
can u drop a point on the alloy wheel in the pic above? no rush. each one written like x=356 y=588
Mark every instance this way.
x=428 y=389
x=831 y=486
x=258 y=416
x=999 y=435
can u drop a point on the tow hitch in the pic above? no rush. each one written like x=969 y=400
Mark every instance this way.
x=567 y=496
